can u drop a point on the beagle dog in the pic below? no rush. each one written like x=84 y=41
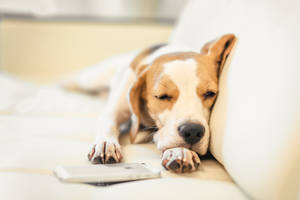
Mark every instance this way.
x=171 y=90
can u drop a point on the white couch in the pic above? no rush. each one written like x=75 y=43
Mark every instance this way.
x=255 y=122
x=42 y=127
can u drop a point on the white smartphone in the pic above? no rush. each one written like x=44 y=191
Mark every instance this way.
x=107 y=173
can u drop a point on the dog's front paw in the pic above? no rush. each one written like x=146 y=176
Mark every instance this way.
x=105 y=152
x=180 y=160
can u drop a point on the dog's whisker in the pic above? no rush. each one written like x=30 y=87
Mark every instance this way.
x=152 y=129
x=152 y=134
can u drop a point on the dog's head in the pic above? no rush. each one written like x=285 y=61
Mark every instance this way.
x=176 y=93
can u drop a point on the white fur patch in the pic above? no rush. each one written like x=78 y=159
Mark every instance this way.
x=184 y=74
x=188 y=106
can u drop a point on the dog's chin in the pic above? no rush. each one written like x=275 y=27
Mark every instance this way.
x=171 y=146
x=200 y=149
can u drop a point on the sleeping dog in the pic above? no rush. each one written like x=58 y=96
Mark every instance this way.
x=168 y=88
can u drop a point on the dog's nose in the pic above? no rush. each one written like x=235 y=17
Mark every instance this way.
x=191 y=132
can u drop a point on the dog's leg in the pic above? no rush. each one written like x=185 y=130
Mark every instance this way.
x=91 y=79
x=180 y=160
x=96 y=78
x=106 y=148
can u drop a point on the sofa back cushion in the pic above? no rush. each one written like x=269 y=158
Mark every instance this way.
x=255 y=123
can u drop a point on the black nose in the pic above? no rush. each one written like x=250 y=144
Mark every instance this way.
x=191 y=132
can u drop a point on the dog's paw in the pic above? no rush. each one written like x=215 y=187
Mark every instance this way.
x=180 y=160
x=105 y=152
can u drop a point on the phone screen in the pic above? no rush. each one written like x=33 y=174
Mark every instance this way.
x=106 y=173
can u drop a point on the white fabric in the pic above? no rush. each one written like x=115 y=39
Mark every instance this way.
x=255 y=122
x=179 y=188
x=20 y=97
x=34 y=142
x=15 y=186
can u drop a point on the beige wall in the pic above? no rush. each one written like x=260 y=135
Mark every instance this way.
x=44 y=51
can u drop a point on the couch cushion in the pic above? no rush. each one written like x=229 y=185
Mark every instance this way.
x=175 y=188
x=26 y=186
x=255 y=121
x=20 y=97
x=34 y=153
x=33 y=143
x=30 y=153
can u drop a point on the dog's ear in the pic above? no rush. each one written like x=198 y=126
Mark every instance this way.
x=137 y=103
x=219 y=49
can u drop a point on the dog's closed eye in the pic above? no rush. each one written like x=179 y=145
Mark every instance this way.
x=209 y=94
x=163 y=97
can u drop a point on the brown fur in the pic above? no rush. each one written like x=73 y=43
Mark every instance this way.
x=135 y=64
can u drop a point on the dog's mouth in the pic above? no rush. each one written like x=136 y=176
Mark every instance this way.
x=182 y=145
x=151 y=129
x=190 y=147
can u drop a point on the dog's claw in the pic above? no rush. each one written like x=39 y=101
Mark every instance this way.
x=180 y=160
x=175 y=165
x=105 y=153
x=91 y=153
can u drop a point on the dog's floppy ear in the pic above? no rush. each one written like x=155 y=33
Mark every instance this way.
x=137 y=103
x=219 y=49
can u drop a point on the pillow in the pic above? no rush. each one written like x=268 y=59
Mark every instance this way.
x=255 y=123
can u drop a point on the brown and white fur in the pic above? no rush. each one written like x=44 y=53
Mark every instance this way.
x=169 y=87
